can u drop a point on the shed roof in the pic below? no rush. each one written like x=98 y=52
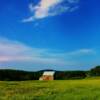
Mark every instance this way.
x=49 y=73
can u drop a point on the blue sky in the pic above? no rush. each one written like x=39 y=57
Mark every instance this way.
x=49 y=34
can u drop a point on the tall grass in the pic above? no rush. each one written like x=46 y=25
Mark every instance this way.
x=87 y=89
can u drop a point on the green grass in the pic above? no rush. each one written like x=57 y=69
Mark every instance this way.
x=87 y=89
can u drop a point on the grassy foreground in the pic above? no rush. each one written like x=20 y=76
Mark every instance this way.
x=87 y=89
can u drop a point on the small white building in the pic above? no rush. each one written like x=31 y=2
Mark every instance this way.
x=47 y=75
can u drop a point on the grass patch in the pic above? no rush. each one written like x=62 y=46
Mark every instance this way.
x=86 y=89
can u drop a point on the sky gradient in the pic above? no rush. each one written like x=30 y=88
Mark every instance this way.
x=49 y=34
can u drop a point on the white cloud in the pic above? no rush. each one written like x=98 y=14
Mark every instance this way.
x=75 y=53
x=18 y=54
x=15 y=51
x=82 y=52
x=47 y=8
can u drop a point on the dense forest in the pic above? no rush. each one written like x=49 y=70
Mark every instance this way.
x=18 y=75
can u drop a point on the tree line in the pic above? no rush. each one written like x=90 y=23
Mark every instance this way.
x=18 y=75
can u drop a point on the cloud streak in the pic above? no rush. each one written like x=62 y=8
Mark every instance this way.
x=47 y=8
x=14 y=52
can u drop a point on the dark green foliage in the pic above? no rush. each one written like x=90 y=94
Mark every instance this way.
x=63 y=75
x=17 y=75
x=95 y=71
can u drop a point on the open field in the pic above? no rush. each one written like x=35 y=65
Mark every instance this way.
x=87 y=89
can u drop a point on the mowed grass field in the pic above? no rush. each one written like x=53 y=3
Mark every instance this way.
x=86 y=89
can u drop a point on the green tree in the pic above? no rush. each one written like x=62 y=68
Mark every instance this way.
x=95 y=71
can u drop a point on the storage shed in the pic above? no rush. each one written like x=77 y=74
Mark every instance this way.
x=47 y=75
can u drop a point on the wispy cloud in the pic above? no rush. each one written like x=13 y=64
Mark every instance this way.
x=16 y=52
x=46 y=8
x=82 y=52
